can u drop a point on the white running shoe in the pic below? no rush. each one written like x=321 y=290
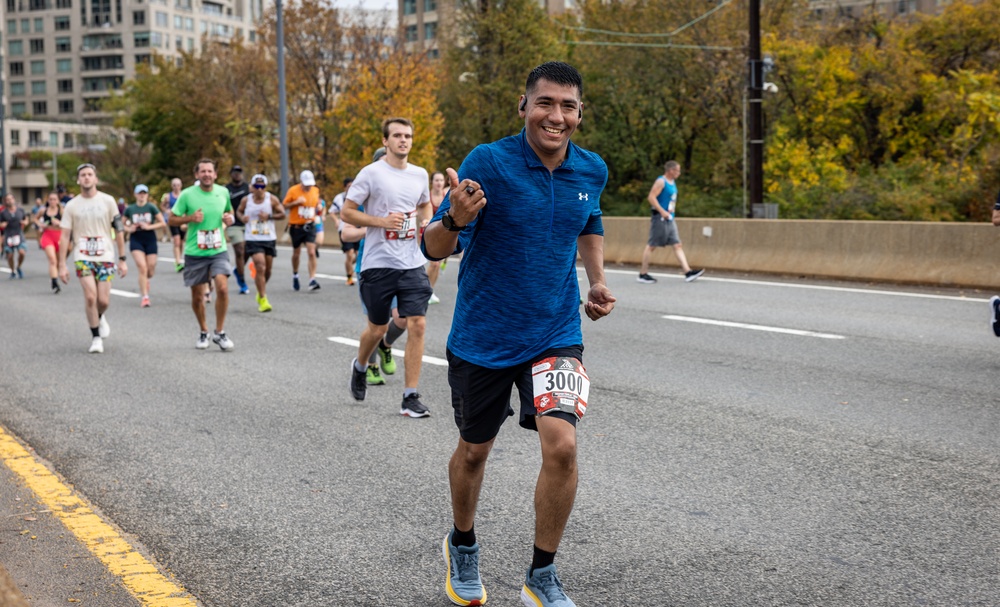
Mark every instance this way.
x=203 y=342
x=96 y=346
x=434 y=299
x=104 y=329
x=222 y=340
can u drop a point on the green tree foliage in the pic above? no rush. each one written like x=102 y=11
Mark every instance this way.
x=495 y=43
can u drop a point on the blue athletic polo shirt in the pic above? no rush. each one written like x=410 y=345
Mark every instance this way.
x=518 y=293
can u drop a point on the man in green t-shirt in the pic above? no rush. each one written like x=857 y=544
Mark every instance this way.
x=206 y=210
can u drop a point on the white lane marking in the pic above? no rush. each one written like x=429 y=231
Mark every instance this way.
x=330 y=276
x=740 y=325
x=765 y=283
x=400 y=353
x=121 y=293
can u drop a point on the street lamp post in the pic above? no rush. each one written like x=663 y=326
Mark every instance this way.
x=282 y=104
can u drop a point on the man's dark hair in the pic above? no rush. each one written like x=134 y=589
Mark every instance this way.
x=198 y=164
x=556 y=72
x=397 y=120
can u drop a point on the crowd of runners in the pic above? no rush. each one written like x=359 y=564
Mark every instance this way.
x=515 y=325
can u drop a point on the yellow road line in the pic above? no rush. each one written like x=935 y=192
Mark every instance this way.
x=142 y=579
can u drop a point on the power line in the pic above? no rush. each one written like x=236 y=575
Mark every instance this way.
x=655 y=45
x=653 y=35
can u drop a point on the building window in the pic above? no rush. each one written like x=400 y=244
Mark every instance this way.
x=430 y=5
x=430 y=30
x=16 y=68
x=15 y=137
x=107 y=62
x=179 y=43
x=409 y=7
x=61 y=23
x=39 y=108
x=64 y=3
x=11 y=6
x=143 y=59
x=37 y=46
x=18 y=109
x=25 y=26
x=411 y=33
x=68 y=137
x=37 y=68
x=63 y=45
x=139 y=18
x=15 y=47
x=53 y=139
x=141 y=39
x=39 y=25
x=155 y=39
x=34 y=139
x=190 y=44
x=189 y=24
x=12 y=26
x=39 y=5
x=65 y=86
x=64 y=66
x=162 y=19
x=37 y=87
x=17 y=89
x=434 y=53
x=178 y=22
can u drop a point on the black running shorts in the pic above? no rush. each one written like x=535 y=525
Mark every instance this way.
x=302 y=234
x=411 y=288
x=480 y=396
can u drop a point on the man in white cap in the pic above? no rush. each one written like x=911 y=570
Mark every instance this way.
x=258 y=212
x=302 y=202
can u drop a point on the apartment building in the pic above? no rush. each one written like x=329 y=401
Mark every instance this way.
x=62 y=57
x=421 y=22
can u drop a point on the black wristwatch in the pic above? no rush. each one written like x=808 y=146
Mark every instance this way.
x=449 y=223
x=121 y=258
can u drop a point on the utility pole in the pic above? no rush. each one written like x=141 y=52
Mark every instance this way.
x=282 y=100
x=755 y=83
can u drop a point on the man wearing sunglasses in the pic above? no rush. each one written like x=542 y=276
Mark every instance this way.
x=258 y=212
x=92 y=218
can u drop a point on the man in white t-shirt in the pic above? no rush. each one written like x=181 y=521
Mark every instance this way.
x=396 y=199
x=93 y=221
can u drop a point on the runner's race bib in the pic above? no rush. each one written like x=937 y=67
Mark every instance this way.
x=210 y=239
x=14 y=241
x=138 y=218
x=407 y=232
x=93 y=246
x=307 y=212
x=560 y=383
x=260 y=228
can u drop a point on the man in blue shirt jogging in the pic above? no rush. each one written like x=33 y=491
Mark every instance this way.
x=517 y=315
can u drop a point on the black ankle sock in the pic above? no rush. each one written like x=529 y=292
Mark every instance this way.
x=464 y=538
x=540 y=559
x=95 y=331
x=55 y=282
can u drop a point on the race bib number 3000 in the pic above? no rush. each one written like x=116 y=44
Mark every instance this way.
x=560 y=383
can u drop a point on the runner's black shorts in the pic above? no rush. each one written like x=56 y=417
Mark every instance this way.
x=301 y=234
x=260 y=246
x=349 y=246
x=480 y=396
x=143 y=240
x=411 y=288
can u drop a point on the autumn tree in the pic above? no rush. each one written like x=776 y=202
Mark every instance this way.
x=492 y=46
x=384 y=85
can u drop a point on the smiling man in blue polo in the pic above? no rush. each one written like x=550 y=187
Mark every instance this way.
x=521 y=208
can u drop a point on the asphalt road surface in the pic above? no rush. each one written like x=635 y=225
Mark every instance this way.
x=750 y=441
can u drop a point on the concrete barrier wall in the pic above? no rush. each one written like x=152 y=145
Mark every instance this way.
x=945 y=254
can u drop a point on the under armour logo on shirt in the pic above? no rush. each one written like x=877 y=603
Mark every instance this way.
x=583 y=196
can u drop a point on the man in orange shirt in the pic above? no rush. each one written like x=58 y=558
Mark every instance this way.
x=302 y=202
